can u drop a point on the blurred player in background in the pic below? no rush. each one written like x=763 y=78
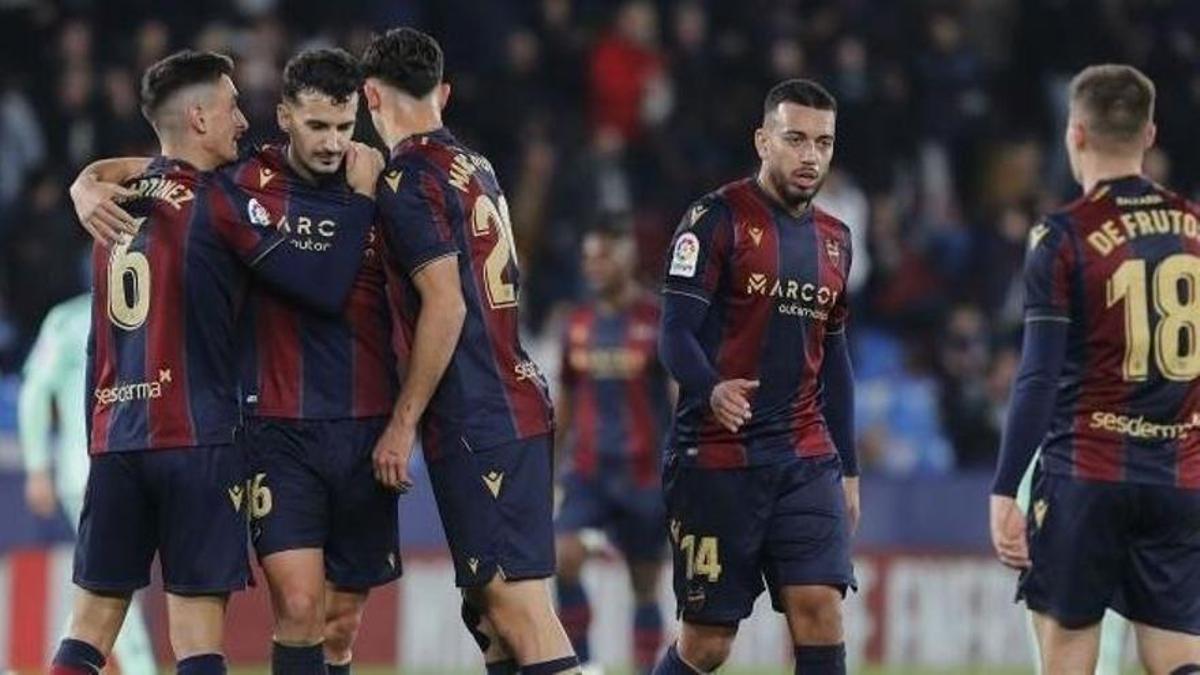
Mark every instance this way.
x=612 y=412
x=166 y=476
x=54 y=382
x=1113 y=628
x=1109 y=387
x=317 y=387
x=481 y=403
x=754 y=319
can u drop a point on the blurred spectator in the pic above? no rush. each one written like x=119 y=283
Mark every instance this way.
x=626 y=73
x=22 y=147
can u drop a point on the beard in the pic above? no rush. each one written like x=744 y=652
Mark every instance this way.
x=795 y=197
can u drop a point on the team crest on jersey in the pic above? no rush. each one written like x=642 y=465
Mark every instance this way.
x=685 y=256
x=832 y=250
x=258 y=213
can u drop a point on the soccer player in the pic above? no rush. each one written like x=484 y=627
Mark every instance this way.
x=54 y=380
x=761 y=473
x=453 y=281
x=612 y=411
x=165 y=475
x=318 y=388
x=1109 y=387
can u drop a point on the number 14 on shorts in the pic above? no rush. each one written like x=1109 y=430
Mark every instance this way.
x=701 y=554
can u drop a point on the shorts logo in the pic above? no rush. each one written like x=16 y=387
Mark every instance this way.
x=685 y=256
x=1039 y=512
x=755 y=234
x=696 y=597
x=473 y=563
x=493 y=480
x=236 y=494
x=257 y=213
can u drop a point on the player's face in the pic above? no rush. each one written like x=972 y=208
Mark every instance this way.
x=795 y=145
x=607 y=263
x=319 y=128
x=224 y=122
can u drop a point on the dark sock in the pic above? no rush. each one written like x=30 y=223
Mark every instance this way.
x=647 y=636
x=76 y=657
x=576 y=614
x=298 y=660
x=821 y=660
x=201 y=664
x=343 y=669
x=569 y=664
x=505 y=667
x=672 y=664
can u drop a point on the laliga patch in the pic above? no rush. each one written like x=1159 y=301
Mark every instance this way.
x=685 y=256
x=258 y=213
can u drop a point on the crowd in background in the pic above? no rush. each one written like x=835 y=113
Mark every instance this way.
x=949 y=130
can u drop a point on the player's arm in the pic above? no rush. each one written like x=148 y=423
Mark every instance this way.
x=413 y=218
x=1043 y=352
x=697 y=257
x=320 y=281
x=38 y=388
x=95 y=191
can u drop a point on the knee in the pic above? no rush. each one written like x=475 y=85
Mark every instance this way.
x=299 y=611
x=705 y=652
x=817 y=619
x=340 y=632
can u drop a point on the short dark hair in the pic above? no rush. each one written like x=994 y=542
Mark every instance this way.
x=180 y=70
x=329 y=71
x=405 y=58
x=1118 y=100
x=801 y=92
x=611 y=225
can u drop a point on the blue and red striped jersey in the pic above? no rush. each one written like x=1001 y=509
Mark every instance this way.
x=298 y=363
x=162 y=361
x=617 y=391
x=1121 y=266
x=438 y=198
x=776 y=286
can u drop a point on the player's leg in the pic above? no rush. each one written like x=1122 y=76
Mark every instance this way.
x=582 y=507
x=1166 y=652
x=288 y=504
x=117 y=539
x=1078 y=545
x=362 y=545
x=1070 y=651
x=202 y=498
x=1114 y=629
x=716 y=523
x=497 y=657
x=640 y=531
x=808 y=565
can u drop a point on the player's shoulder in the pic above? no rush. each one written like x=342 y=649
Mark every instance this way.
x=830 y=223
x=710 y=209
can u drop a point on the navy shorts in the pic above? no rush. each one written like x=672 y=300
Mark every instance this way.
x=497 y=509
x=1134 y=548
x=731 y=528
x=186 y=504
x=633 y=516
x=313 y=486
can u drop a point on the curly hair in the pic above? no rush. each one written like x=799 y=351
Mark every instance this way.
x=405 y=58
x=332 y=72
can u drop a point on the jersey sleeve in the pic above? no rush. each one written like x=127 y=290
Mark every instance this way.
x=699 y=250
x=413 y=211
x=841 y=307
x=321 y=280
x=1047 y=276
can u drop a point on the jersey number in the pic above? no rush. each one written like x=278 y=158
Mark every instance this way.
x=128 y=287
x=1176 y=294
x=486 y=217
x=700 y=557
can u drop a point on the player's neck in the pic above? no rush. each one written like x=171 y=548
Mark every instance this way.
x=191 y=153
x=298 y=166
x=764 y=183
x=1099 y=168
x=415 y=123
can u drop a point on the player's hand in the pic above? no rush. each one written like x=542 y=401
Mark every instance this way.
x=39 y=494
x=98 y=212
x=1008 y=532
x=390 y=457
x=363 y=166
x=853 y=505
x=730 y=401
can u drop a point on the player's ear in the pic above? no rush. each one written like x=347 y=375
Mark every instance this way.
x=196 y=119
x=443 y=95
x=1076 y=134
x=283 y=116
x=760 y=142
x=372 y=95
x=1151 y=133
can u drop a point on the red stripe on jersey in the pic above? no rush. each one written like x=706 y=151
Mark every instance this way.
x=368 y=317
x=104 y=363
x=810 y=435
x=747 y=317
x=169 y=416
x=1098 y=453
x=586 y=413
x=640 y=406
x=1188 y=452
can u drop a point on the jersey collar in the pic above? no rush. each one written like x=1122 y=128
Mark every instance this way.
x=441 y=135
